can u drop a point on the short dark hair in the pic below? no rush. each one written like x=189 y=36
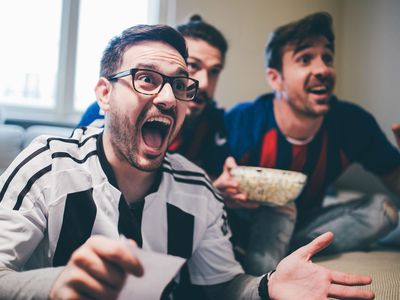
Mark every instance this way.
x=196 y=28
x=112 y=55
x=312 y=26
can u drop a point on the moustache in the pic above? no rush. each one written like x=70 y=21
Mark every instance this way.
x=201 y=98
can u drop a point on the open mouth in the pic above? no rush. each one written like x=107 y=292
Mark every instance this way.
x=319 y=90
x=155 y=130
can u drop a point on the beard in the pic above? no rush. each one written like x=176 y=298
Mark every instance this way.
x=124 y=139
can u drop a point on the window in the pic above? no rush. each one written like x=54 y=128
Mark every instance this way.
x=29 y=52
x=51 y=52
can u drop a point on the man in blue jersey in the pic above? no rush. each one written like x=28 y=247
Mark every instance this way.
x=304 y=127
x=64 y=202
x=202 y=138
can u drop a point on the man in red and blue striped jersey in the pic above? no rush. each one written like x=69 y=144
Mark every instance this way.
x=304 y=127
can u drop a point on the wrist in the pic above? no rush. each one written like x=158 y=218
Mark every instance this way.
x=263 y=290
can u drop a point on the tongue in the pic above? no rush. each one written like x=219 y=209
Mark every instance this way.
x=152 y=136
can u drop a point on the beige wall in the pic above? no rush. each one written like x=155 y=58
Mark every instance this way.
x=246 y=25
x=367 y=56
x=371 y=62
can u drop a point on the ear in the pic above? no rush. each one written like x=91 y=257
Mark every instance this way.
x=274 y=78
x=103 y=91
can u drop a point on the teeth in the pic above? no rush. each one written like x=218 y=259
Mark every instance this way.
x=164 y=120
x=319 y=88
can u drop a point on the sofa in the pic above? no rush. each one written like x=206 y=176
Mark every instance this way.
x=14 y=138
x=382 y=262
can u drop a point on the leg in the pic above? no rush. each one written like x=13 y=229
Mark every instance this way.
x=355 y=224
x=269 y=236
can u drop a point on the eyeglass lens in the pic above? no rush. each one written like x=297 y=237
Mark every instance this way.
x=149 y=82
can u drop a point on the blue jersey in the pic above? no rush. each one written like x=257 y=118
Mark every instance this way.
x=348 y=134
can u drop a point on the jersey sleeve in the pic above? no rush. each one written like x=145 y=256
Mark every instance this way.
x=22 y=210
x=213 y=261
x=366 y=143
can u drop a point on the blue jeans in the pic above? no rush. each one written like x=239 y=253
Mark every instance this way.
x=268 y=234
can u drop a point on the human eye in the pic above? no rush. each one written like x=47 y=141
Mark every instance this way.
x=193 y=67
x=328 y=59
x=215 y=72
x=180 y=84
x=304 y=59
x=147 y=80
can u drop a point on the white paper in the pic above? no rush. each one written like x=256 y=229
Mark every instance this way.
x=159 y=270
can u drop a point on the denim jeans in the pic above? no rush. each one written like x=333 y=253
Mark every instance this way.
x=267 y=234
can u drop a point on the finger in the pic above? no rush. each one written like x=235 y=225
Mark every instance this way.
x=102 y=270
x=241 y=197
x=116 y=252
x=230 y=163
x=85 y=285
x=349 y=292
x=349 y=279
x=227 y=185
x=316 y=245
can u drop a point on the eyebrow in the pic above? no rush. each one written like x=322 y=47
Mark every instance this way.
x=219 y=65
x=304 y=46
x=150 y=66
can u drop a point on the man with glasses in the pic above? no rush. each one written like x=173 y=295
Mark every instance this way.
x=65 y=202
x=202 y=138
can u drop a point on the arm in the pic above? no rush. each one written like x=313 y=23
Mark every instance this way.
x=229 y=187
x=34 y=284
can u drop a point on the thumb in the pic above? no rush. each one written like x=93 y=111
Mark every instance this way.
x=230 y=163
x=316 y=245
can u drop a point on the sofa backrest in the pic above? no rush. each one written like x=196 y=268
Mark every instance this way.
x=14 y=138
x=11 y=141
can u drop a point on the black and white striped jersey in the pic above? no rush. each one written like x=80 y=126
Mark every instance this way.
x=60 y=191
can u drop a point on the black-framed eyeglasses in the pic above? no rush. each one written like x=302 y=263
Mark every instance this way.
x=150 y=82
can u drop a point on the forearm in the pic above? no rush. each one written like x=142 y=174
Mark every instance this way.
x=34 y=284
x=241 y=287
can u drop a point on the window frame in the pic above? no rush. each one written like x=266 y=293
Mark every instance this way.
x=65 y=82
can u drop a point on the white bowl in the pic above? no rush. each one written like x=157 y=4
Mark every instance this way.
x=272 y=187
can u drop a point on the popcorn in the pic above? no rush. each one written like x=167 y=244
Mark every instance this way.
x=272 y=187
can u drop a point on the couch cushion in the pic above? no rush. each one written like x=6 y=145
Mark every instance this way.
x=33 y=131
x=11 y=140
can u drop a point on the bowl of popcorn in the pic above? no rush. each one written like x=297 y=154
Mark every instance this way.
x=272 y=187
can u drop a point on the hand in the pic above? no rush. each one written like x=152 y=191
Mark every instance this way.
x=96 y=270
x=396 y=132
x=296 y=277
x=228 y=186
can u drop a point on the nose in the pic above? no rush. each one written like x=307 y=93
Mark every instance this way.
x=165 y=99
x=321 y=68
x=202 y=77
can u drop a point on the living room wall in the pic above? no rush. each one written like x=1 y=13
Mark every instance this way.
x=368 y=43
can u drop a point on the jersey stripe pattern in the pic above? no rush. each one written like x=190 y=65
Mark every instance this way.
x=60 y=191
x=348 y=134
